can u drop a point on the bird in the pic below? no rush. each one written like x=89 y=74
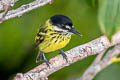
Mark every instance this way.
x=53 y=35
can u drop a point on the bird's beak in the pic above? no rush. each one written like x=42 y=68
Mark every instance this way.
x=75 y=32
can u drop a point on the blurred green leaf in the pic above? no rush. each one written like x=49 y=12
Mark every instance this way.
x=92 y=3
x=109 y=16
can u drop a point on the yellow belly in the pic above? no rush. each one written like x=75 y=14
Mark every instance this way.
x=50 y=45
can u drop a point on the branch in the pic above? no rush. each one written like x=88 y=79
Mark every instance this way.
x=25 y=8
x=75 y=54
x=91 y=72
x=8 y=6
x=5 y=3
x=99 y=63
x=99 y=57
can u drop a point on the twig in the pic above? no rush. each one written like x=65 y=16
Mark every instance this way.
x=41 y=72
x=6 y=11
x=25 y=8
x=91 y=72
x=4 y=4
x=99 y=57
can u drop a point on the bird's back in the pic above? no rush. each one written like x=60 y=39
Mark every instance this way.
x=47 y=40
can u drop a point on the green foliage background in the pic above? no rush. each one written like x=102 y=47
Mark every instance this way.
x=109 y=16
x=17 y=53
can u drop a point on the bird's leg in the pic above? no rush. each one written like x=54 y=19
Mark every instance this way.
x=63 y=54
x=45 y=60
x=41 y=56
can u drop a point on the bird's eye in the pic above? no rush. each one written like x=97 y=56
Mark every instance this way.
x=67 y=27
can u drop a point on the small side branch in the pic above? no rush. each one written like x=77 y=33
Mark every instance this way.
x=25 y=8
x=4 y=4
x=6 y=11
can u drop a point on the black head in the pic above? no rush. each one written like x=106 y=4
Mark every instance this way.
x=61 y=21
x=63 y=24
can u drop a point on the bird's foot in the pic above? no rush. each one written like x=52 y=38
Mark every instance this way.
x=45 y=60
x=63 y=54
x=47 y=63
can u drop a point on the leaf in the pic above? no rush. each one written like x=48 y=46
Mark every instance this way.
x=109 y=16
x=92 y=3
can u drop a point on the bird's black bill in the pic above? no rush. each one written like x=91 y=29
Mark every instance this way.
x=75 y=32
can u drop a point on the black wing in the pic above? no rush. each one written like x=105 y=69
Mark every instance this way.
x=39 y=37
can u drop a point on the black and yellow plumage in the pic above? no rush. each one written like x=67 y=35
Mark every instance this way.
x=53 y=35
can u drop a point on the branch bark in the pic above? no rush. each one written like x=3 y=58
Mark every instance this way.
x=73 y=55
x=5 y=3
x=91 y=72
x=24 y=8
x=8 y=6
x=78 y=53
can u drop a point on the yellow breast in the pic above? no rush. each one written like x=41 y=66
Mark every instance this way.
x=51 y=40
x=54 y=42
